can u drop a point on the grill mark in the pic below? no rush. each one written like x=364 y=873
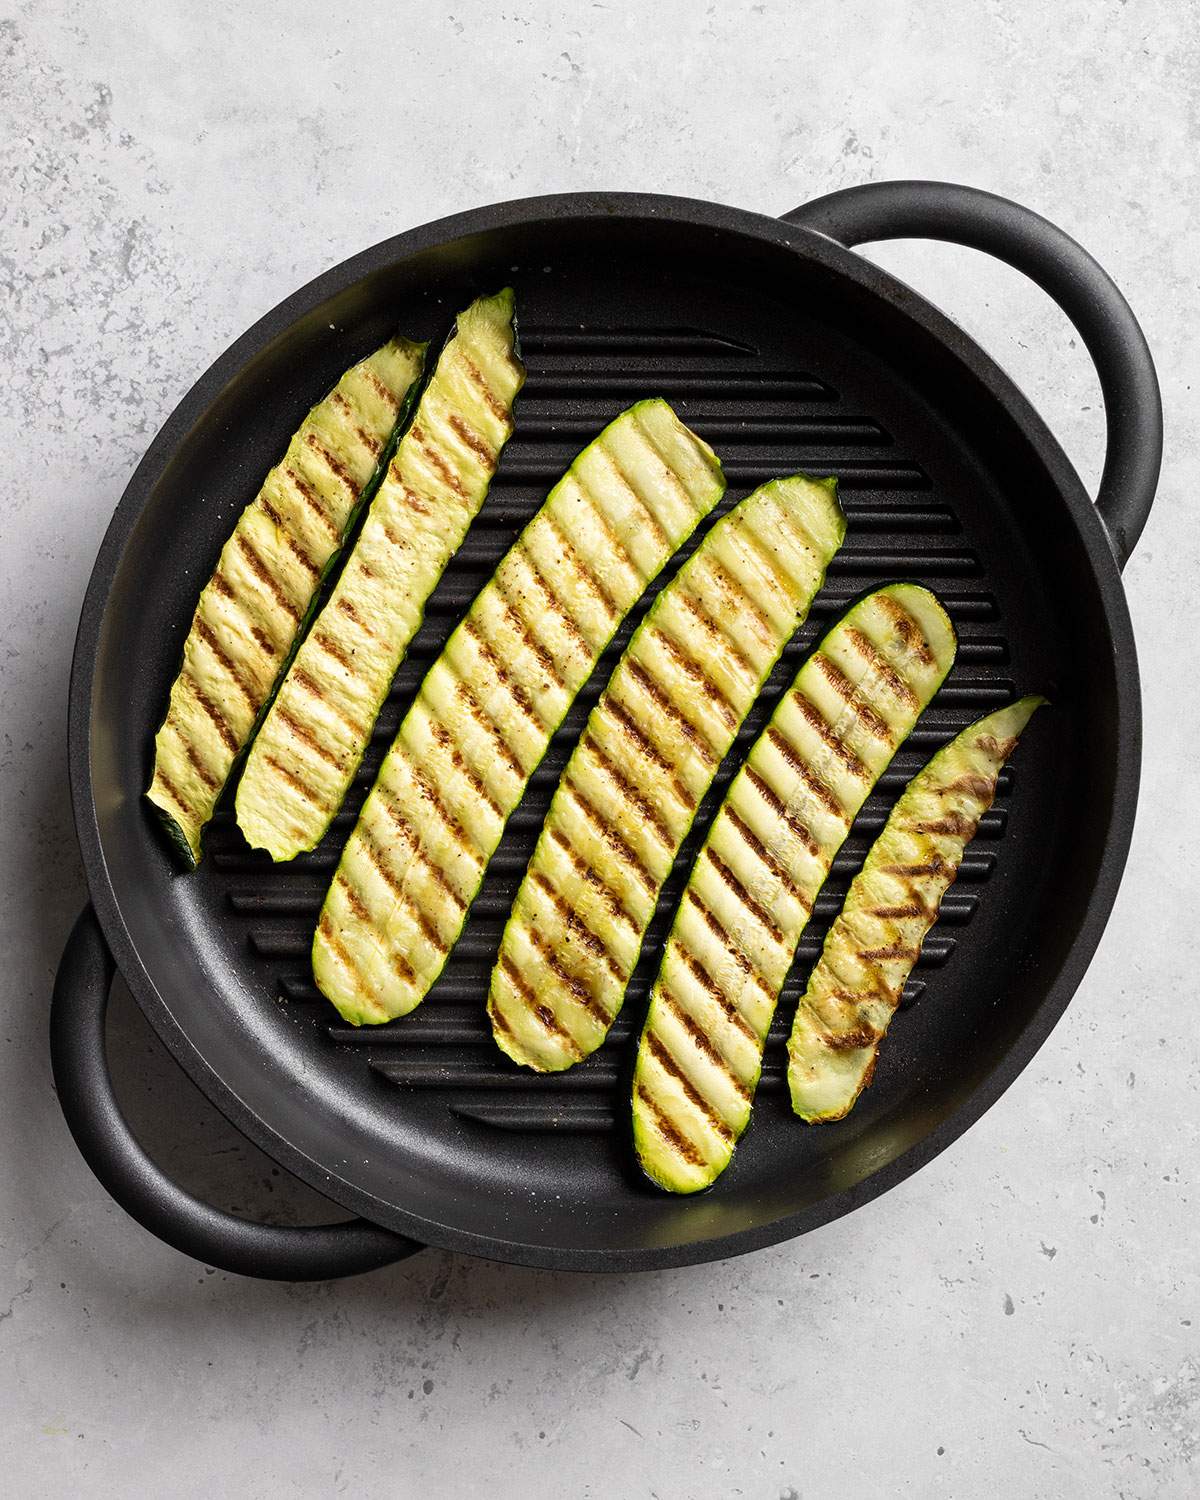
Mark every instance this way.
x=610 y=898
x=782 y=811
x=691 y=668
x=852 y=698
x=892 y=950
x=174 y=793
x=581 y=569
x=615 y=543
x=813 y=716
x=428 y=450
x=820 y=790
x=325 y=928
x=384 y=392
x=409 y=834
x=313 y=687
x=935 y=866
x=624 y=721
x=543 y=1012
x=570 y=982
x=700 y=1038
x=354 y=900
x=514 y=689
x=879 y=664
x=290 y=541
x=309 y=498
x=678 y=1142
x=393 y=537
x=906 y=628
x=552 y=601
x=266 y=577
x=285 y=773
x=189 y=750
x=1000 y=750
x=371 y=444
x=401 y=965
x=331 y=462
x=445 y=741
x=859 y=1036
x=982 y=788
x=711 y=988
x=780 y=579
x=208 y=636
x=493 y=403
x=409 y=496
x=465 y=695
x=264 y=645
x=915 y=908
x=765 y=857
x=522 y=630
x=345 y=607
x=219 y=722
x=221 y=585
x=662 y=1056
x=612 y=838
x=497 y=1017
x=953 y=824
x=729 y=942
x=472 y=440
x=378 y=860
x=664 y=704
x=430 y=792
x=307 y=738
x=595 y=945
x=741 y=894
x=331 y=648
x=738 y=599
x=652 y=521
x=628 y=790
x=716 y=635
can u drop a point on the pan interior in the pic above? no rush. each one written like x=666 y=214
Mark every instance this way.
x=781 y=364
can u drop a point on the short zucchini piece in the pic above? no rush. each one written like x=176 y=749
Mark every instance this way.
x=306 y=753
x=645 y=759
x=767 y=855
x=892 y=903
x=490 y=704
x=253 y=608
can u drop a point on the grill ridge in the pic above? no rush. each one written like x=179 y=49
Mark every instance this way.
x=763 y=422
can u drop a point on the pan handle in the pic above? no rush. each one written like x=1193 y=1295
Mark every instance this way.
x=79 y=1057
x=1084 y=291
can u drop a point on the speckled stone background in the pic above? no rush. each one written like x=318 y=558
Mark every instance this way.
x=1022 y=1318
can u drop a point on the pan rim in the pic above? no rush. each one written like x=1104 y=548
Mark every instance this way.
x=871 y=279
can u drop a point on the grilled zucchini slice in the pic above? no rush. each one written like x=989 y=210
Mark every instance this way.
x=892 y=903
x=306 y=753
x=645 y=759
x=252 y=610
x=751 y=890
x=490 y=704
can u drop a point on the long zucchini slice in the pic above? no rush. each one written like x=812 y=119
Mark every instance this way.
x=767 y=855
x=645 y=759
x=252 y=610
x=892 y=903
x=490 y=704
x=306 y=753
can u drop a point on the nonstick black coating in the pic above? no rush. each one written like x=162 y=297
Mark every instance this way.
x=786 y=352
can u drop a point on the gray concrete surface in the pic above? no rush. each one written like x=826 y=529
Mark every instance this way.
x=1022 y=1318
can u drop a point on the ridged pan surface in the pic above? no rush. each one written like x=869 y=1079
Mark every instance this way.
x=781 y=366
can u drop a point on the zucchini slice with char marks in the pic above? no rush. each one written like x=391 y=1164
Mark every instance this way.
x=313 y=738
x=768 y=853
x=645 y=759
x=252 y=610
x=490 y=704
x=892 y=903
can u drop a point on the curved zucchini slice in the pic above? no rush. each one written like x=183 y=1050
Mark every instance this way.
x=767 y=855
x=312 y=740
x=490 y=704
x=892 y=903
x=253 y=608
x=645 y=759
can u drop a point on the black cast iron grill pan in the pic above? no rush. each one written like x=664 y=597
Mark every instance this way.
x=785 y=350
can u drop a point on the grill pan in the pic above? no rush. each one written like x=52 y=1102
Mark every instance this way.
x=785 y=350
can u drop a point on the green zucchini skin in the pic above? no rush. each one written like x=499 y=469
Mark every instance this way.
x=312 y=740
x=647 y=755
x=767 y=854
x=490 y=704
x=254 y=609
x=892 y=903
